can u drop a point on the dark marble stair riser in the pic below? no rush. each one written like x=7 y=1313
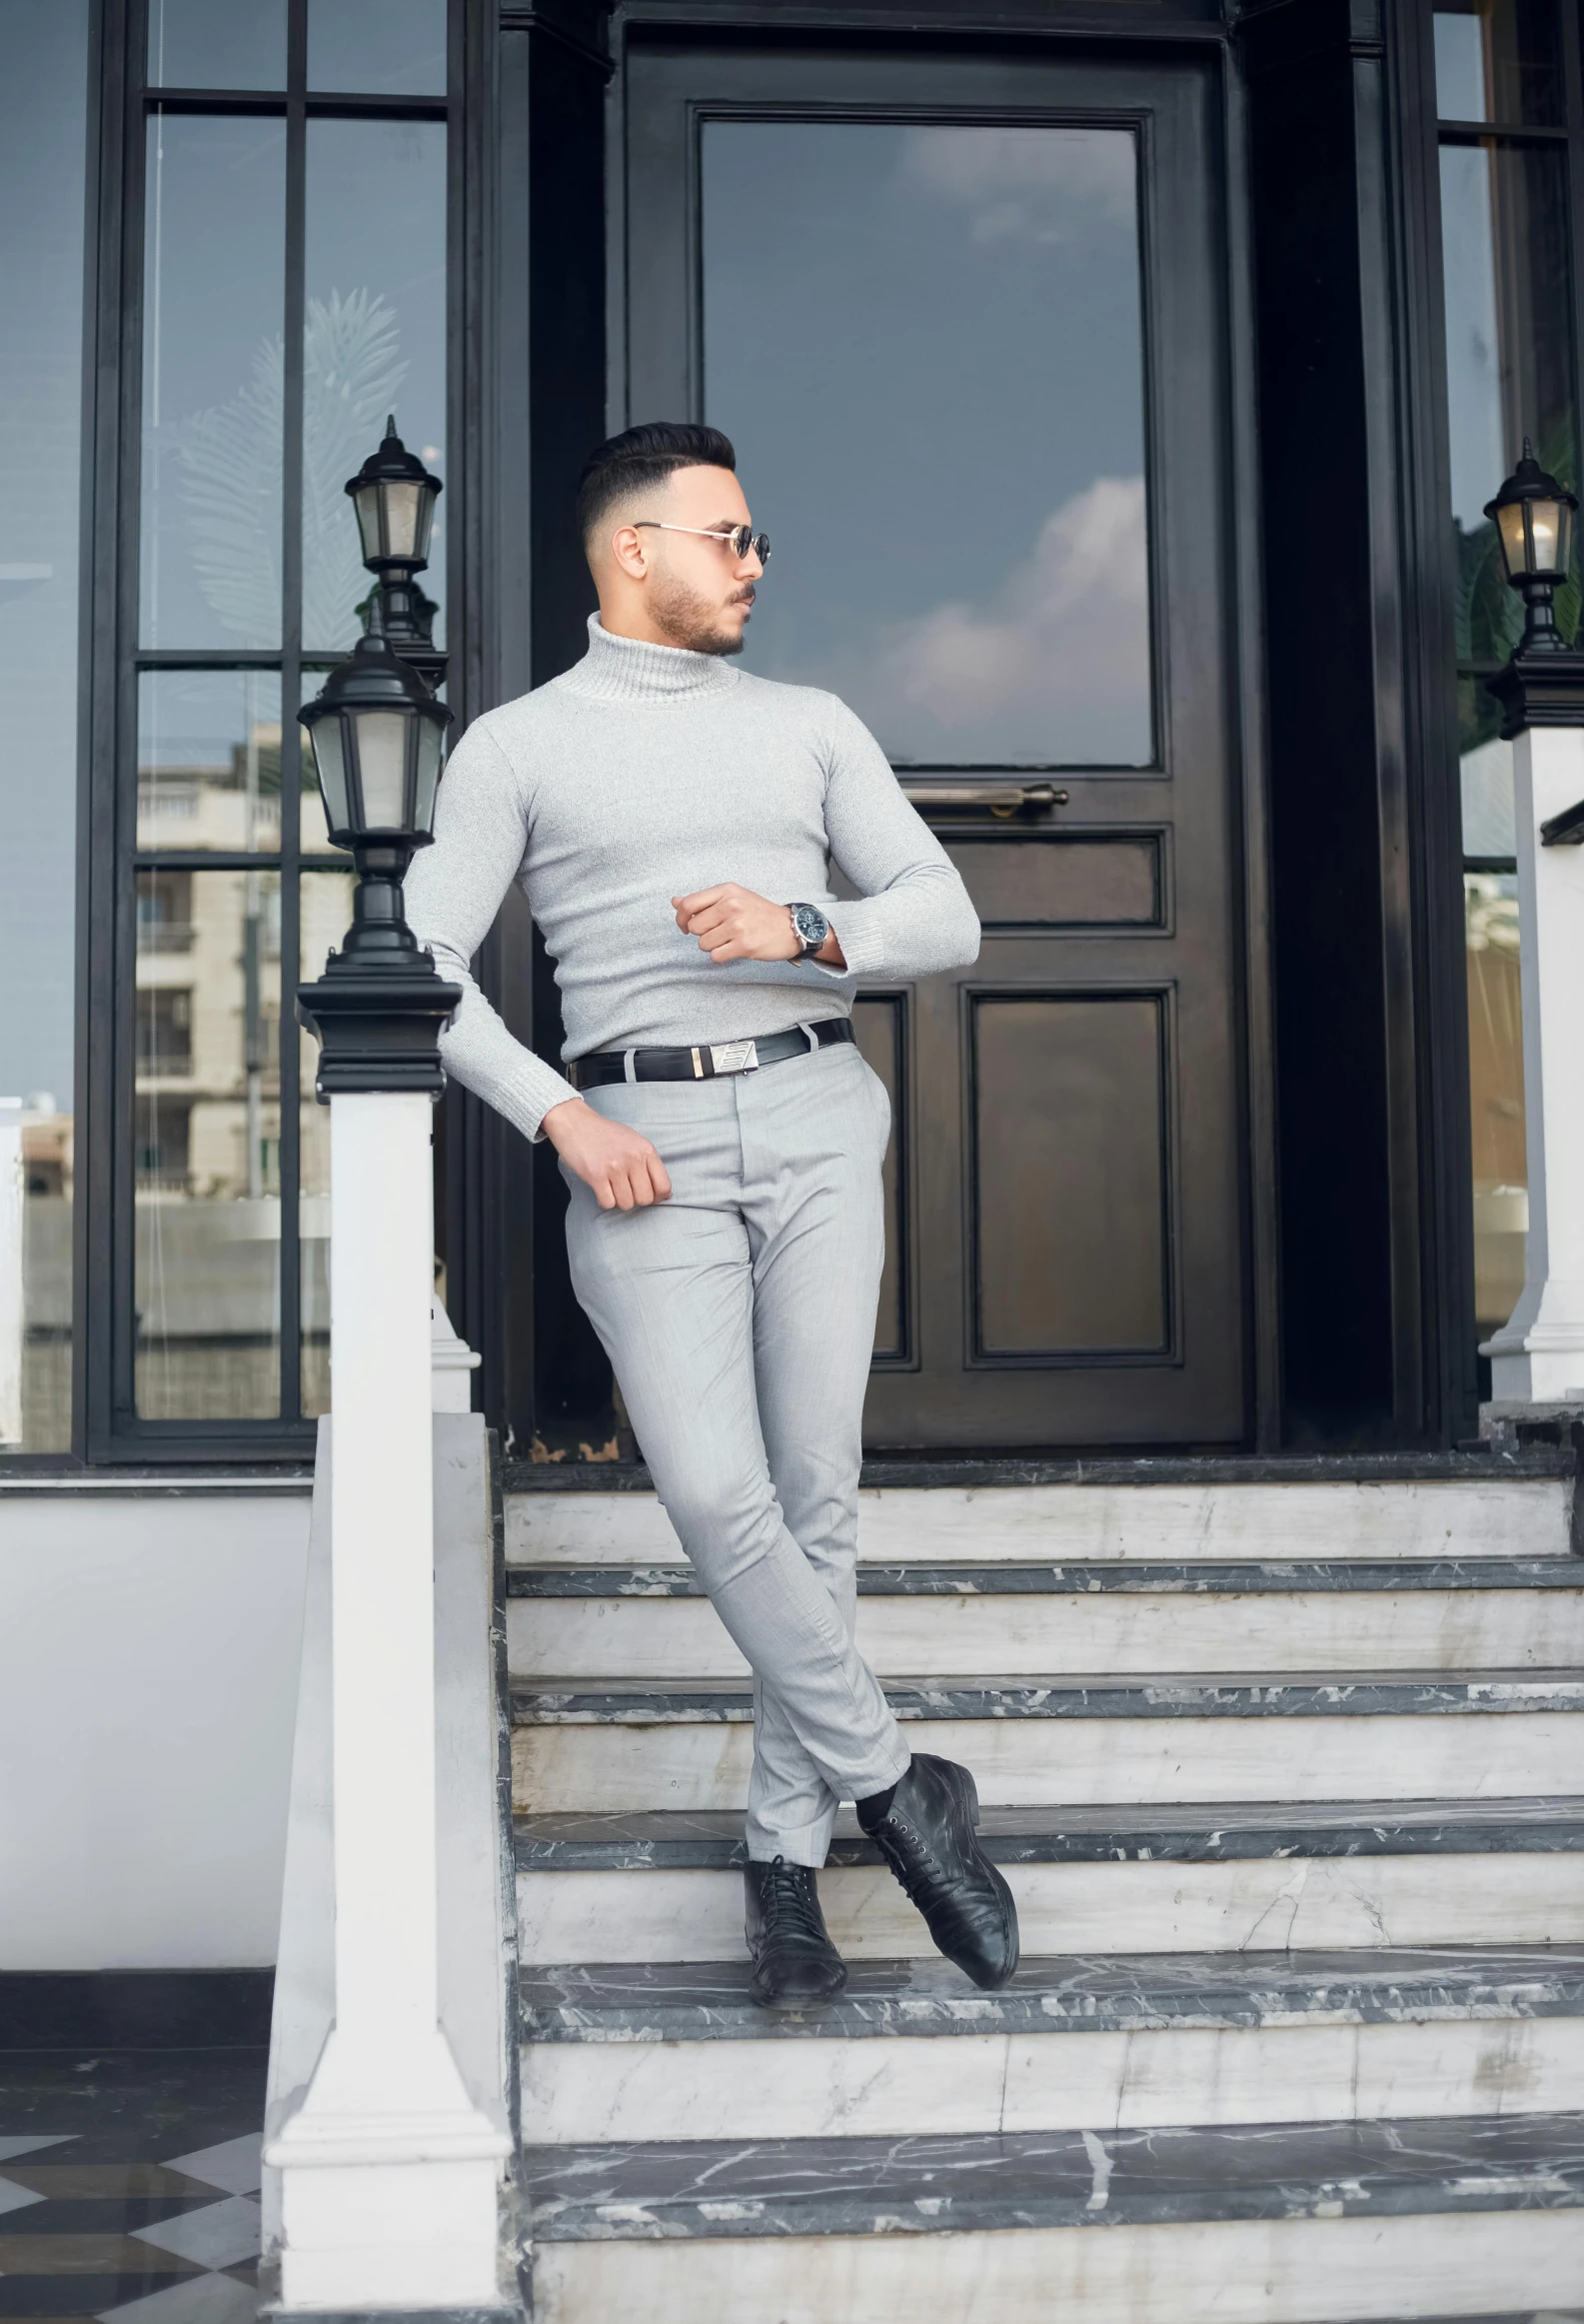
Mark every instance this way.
x=865 y=2186
x=547 y=1704
x=711 y=1841
x=1173 y=1577
x=1534 y=1462
x=649 y=2001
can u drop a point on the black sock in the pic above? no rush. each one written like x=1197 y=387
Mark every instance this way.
x=876 y=1807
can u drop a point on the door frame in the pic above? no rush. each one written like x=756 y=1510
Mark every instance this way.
x=1248 y=1002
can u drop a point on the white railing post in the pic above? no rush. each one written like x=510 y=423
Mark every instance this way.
x=1538 y=1354
x=389 y=2173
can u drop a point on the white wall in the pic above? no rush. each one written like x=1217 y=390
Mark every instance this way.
x=149 y=1648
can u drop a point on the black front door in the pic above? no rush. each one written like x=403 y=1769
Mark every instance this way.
x=965 y=323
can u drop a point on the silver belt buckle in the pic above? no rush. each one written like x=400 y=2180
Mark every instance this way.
x=734 y=1056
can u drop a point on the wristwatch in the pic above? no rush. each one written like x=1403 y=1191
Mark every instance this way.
x=810 y=927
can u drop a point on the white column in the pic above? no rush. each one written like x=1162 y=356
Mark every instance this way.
x=390 y=2174
x=1538 y=1354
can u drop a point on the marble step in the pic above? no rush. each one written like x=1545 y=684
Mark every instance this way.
x=1473 y=1513
x=1459 y=1735
x=1422 y=1615
x=1268 y=2224
x=1106 y=1880
x=647 y=2052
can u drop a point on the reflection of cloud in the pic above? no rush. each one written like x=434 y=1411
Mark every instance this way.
x=1056 y=667
x=1042 y=185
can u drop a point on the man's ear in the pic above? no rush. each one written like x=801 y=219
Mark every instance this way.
x=628 y=553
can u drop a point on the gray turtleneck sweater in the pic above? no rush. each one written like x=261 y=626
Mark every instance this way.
x=644 y=773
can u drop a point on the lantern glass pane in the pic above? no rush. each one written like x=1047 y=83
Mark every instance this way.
x=330 y=760
x=1545 y=520
x=1514 y=549
x=367 y=504
x=381 y=767
x=402 y=521
x=431 y=751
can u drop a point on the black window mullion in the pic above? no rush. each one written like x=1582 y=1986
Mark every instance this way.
x=291 y=695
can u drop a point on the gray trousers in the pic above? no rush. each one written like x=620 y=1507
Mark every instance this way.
x=738 y=1319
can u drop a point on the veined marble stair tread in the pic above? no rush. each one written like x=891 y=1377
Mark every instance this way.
x=1098 y=2178
x=712 y=1840
x=1171 y=1576
x=1318 y=1694
x=624 y=2003
x=1473 y=1507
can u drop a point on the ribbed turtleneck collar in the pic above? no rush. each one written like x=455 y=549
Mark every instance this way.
x=633 y=670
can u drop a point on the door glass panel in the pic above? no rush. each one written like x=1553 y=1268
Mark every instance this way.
x=373 y=343
x=1499 y=60
x=1509 y=362
x=206 y=1144
x=209 y=760
x=925 y=344
x=196 y=44
x=377 y=47
x=213 y=290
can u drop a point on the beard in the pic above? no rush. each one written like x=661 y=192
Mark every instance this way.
x=692 y=621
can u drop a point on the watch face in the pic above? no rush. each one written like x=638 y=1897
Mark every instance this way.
x=812 y=926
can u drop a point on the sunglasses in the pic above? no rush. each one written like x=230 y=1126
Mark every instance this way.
x=740 y=538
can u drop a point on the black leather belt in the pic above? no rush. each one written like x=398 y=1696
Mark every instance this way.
x=710 y=1059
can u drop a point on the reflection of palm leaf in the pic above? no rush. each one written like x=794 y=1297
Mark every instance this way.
x=352 y=370
x=231 y=474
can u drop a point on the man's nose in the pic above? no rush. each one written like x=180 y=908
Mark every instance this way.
x=750 y=568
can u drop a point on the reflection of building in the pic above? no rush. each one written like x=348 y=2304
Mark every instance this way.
x=206 y=1097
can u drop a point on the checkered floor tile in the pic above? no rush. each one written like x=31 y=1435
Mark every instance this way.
x=129 y=2187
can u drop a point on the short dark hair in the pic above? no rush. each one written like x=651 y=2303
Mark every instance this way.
x=641 y=458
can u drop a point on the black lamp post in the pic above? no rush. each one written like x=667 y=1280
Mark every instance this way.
x=1544 y=683
x=378 y=738
x=394 y=495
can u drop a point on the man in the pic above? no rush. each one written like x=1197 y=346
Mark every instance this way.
x=672 y=823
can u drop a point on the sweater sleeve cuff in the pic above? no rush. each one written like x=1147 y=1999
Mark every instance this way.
x=863 y=941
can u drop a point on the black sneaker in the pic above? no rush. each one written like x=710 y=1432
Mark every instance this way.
x=796 y=1966
x=926 y=1835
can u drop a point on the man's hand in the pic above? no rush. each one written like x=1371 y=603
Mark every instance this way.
x=733 y=924
x=623 y=1169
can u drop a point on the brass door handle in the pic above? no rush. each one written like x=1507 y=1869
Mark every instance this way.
x=999 y=799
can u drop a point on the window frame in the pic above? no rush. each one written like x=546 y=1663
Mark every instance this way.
x=107 y=1429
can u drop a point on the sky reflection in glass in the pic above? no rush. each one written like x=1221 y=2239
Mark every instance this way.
x=925 y=343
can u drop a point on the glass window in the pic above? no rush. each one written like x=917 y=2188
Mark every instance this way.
x=205 y=43
x=1486 y=771
x=326 y=915
x=207 y=1141
x=43 y=115
x=209 y=760
x=212 y=381
x=224 y=1149
x=1509 y=305
x=1499 y=60
x=981 y=591
x=385 y=47
x=372 y=344
x=1496 y=1108
x=1509 y=361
